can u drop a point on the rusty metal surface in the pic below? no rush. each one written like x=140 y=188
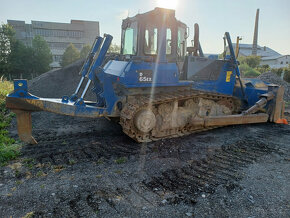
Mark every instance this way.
x=235 y=120
x=23 y=108
x=52 y=105
x=24 y=126
x=259 y=104
x=279 y=105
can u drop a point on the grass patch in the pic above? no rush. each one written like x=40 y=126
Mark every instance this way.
x=29 y=162
x=9 y=149
x=121 y=160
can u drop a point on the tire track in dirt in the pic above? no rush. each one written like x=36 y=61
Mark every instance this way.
x=80 y=147
x=177 y=185
x=223 y=167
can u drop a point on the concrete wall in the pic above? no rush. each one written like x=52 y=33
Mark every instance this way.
x=57 y=35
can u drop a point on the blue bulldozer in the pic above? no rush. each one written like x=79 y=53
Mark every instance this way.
x=157 y=87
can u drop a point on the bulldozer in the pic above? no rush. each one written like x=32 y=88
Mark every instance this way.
x=157 y=87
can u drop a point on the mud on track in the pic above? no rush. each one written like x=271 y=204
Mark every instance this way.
x=89 y=168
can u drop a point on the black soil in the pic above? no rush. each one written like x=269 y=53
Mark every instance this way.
x=89 y=168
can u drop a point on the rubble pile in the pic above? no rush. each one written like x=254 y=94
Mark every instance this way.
x=57 y=83
x=275 y=79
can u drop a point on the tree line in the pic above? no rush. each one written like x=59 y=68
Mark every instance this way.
x=72 y=54
x=251 y=67
x=20 y=61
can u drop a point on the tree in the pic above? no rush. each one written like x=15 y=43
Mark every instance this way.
x=20 y=59
x=85 y=51
x=114 y=48
x=70 y=55
x=264 y=68
x=42 y=56
x=252 y=61
x=248 y=71
x=6 y=38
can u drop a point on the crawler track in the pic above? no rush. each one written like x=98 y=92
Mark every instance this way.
x=138 y=102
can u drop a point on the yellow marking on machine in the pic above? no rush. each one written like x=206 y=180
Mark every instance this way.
x=229 y=73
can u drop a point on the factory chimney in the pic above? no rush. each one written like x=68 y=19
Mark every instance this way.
x=255 y=41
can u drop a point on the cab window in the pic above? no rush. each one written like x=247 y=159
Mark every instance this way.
x=168 y=41
x=181 y=42
x=129 y=46
x=151 y=39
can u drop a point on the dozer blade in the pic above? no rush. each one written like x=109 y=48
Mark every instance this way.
x=24 y=126
x=22 y=103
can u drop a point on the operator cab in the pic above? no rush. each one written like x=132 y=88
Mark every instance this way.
x=154 y=36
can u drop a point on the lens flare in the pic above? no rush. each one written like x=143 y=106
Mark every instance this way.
x=170 y=4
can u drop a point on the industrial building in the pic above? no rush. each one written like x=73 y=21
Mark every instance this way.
x=276 y=62
x=57 y=35
x=268 y=55
x=262 y=51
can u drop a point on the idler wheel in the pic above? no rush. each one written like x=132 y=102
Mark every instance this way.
x=145 y=120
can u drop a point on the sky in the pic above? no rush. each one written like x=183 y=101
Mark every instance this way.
x=215 y=17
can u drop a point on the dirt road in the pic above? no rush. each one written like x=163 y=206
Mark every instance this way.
x=89 y=168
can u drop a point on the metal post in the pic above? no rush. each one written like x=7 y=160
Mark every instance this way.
x=85 y=69
x=98 y=62
x=233 y=58
x=162 y=44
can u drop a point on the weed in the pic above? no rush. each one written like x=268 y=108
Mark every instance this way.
x=17 y=173
x=13 y=189
x=118 y=172
x=8 y=151
x=121 y=160
x=29 y=162
x=19 y=182
x=29 y=215
x=40 y=174
x=71 y=162
x=9 y=148
x=3 y=164
x=100 y=161
x=42 y=186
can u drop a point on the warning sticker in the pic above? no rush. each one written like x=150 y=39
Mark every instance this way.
x=229 y=73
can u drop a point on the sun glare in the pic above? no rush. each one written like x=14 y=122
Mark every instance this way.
x=170 y=4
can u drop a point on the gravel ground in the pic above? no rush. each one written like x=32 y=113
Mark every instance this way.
x=89 y=168
x=275 y=79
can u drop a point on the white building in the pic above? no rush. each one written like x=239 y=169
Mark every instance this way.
x=57 y=35
x=246 y=50
x=276 y=61
x=268 y=55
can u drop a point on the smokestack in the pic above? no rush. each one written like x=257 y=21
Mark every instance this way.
x=255 y=41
